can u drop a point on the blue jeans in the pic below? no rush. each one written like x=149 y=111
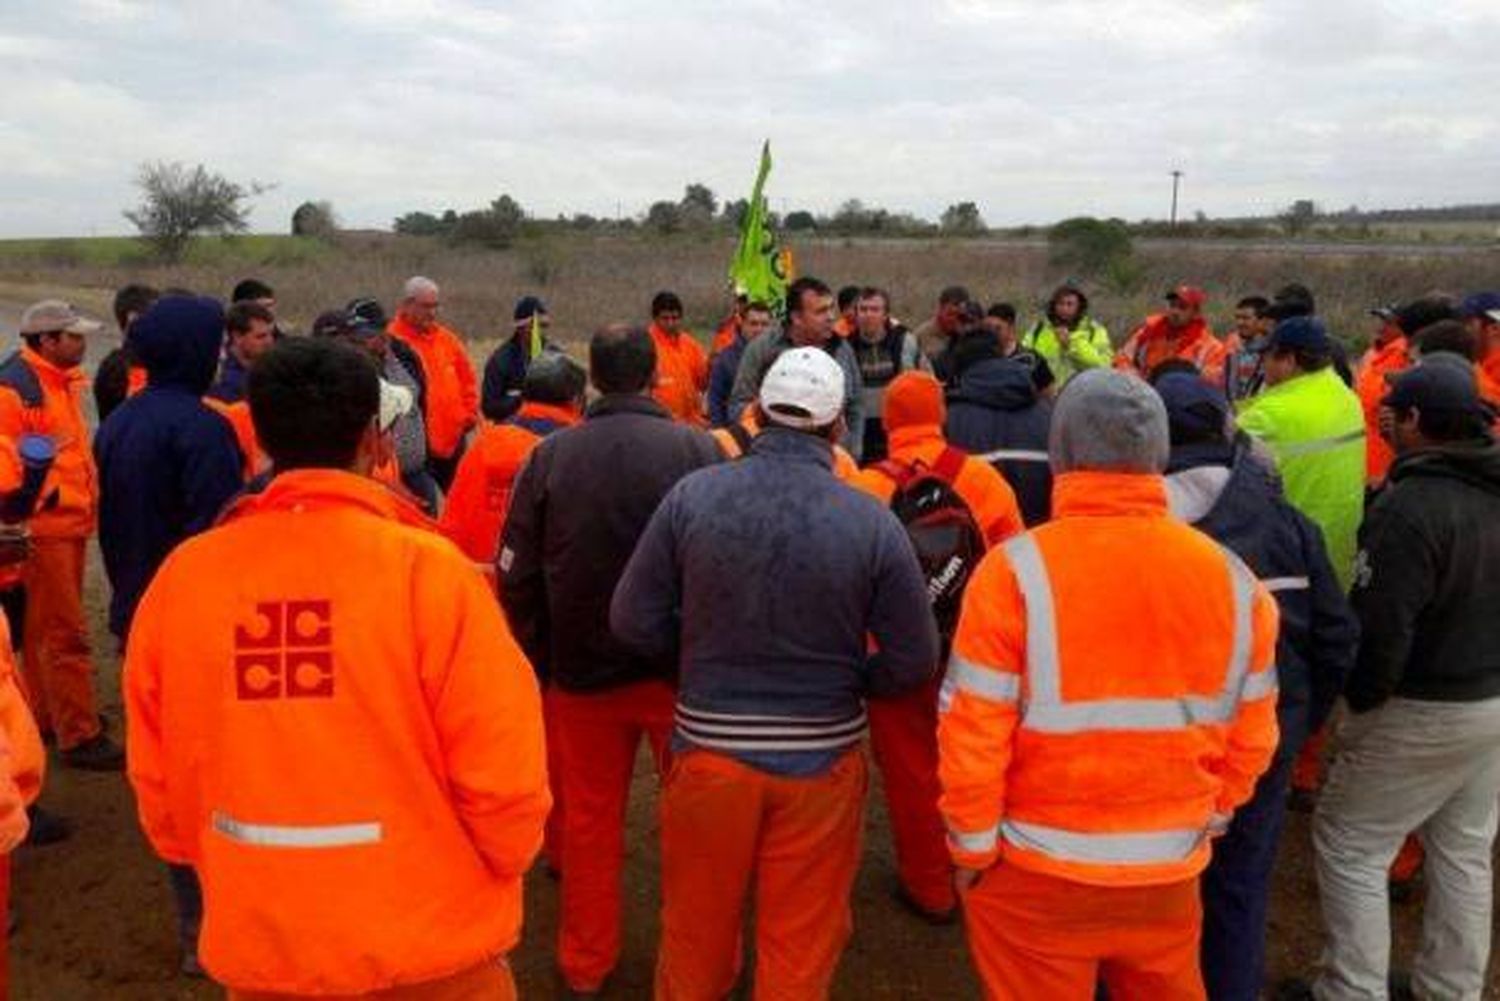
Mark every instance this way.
x=188 y=896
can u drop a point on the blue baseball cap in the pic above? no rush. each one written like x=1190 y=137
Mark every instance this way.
x=1480 y=304
x=1299 y=333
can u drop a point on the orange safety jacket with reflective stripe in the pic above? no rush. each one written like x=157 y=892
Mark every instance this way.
x=732 y=445
x=330 y=721
x=1378 y=362
x=1111 y=691
x=1156 y=341
x=74 y=512
x=474 y=515
x=681 y=375
x=452 y=395
x=978 y=484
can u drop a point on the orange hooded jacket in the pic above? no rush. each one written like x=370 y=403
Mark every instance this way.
x=1371 y=385
x=452 y=401
x=681 y=375
x=1155 y=341
x=475 y=513
x=74 y=513
x=330 y=721
x=1111 y=698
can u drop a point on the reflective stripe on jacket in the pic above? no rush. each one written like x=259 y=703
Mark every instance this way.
x=1111 y=690
x=1156 y=341
x=73 y=511
x=1315 y=428
x=330 y=722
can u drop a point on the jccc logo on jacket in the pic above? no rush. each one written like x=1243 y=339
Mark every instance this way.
x=290 y=657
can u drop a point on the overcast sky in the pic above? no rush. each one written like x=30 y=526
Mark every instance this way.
x=1035 y=110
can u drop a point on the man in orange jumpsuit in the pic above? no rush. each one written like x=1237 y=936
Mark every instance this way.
x=771 y=626
x=681 y=362
x=1181 y=332
x=903 y=729
x=1388 y=354
x=330 y=722
x=1110 y=701
x=452 y=390
x=41 y=392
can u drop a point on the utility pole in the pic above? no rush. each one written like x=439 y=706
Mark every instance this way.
x=1176 y=179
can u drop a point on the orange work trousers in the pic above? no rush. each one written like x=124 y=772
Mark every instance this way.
x=724 y=824
x=1038 y=936
x=597 y=736
x=903 y=737
x=489 y=981
x=56 y=662
x=552 y=833
x=5 y=928
x=1308 y=770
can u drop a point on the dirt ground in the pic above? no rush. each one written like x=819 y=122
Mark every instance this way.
x=96 y=920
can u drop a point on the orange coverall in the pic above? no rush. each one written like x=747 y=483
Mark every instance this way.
x=330 y=721
x=57 y=661
x=1110 y=701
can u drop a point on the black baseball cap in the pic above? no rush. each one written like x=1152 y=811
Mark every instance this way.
x=1438 y=387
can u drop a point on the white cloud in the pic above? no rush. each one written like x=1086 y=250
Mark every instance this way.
x=1034 y=111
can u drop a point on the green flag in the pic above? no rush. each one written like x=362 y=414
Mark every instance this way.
x=759 y=271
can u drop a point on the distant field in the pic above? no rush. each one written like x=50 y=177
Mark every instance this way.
x=592 y=279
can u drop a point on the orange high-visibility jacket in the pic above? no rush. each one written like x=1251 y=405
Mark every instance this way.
x=452 y=400
x=330 y=721
x=978 y=484
x=1111 y=691
x=74 y=512
x=23 y=762
x=844 y=466
x=681 y=375
x=1372 y=387
x=1155 y=341
x=238 y=416
x=475 y=512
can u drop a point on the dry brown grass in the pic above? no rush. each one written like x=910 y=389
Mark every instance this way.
x=590 y=280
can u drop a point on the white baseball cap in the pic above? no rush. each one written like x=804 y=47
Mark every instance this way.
x=395 y=403
x=803 y=389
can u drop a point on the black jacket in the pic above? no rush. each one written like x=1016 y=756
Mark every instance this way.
x=1427 y=581
x=996 y=414
x=578 y=507
x=1318 y=635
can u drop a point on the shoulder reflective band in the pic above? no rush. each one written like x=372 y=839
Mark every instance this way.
x=1274 y=584
x=1015 y=455
x=1301 y=448
x=1045 y=710
x=976 y=842
x=1150 y=848
x=1041 y=624
x=987 y=683
x=285 y=836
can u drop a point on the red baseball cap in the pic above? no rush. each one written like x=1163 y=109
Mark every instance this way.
x=1188 y=295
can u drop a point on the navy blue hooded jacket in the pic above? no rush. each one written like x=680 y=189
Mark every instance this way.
x=1228 y=493
x=167 y=463
x=995 y=413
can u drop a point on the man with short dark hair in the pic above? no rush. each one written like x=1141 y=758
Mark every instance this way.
x=772 y=628
x=809 y=323
x=576 y=511
x=1481 y=312
x=935 y=335
x=119 y=375
x=1243 y=377
x=41 y=392
x=1389 y=353
x=249 y=329
x=884 y=349
x=1421 y=748
x=754 y=320
x=505 y=369
x=321 y=681
x=681 y=363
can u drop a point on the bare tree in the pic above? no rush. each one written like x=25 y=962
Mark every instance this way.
x=178 y=202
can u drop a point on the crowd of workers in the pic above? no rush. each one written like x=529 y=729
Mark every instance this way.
x=391 y=628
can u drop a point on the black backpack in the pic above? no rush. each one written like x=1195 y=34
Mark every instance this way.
x=942 y=529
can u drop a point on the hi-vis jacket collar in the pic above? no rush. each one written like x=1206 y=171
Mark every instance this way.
x=316 y=489
x=1091 y=494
